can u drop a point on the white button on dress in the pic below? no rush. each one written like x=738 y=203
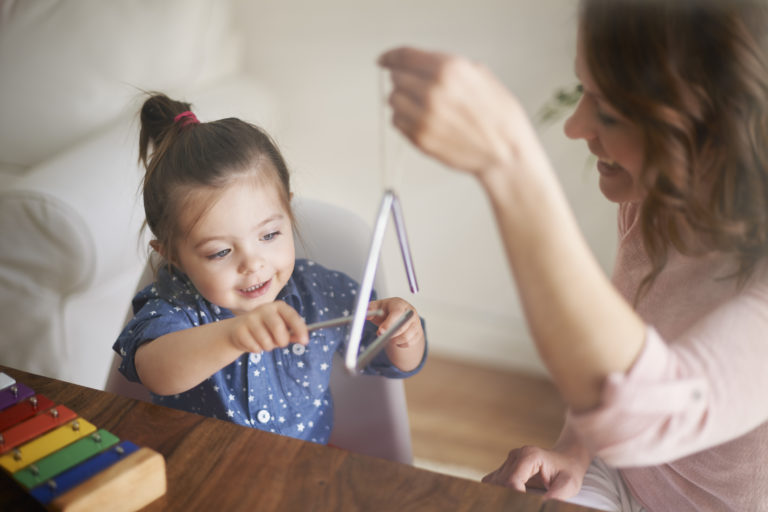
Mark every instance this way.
x=263 y=416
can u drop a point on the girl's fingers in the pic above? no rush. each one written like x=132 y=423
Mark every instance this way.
x=394 y=309
x=294 y=324
x=261 y=336
x=278 y=330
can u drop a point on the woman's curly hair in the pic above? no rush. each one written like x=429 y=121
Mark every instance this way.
x=693 y=75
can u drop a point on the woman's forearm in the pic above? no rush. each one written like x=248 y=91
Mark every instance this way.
x=583 y=329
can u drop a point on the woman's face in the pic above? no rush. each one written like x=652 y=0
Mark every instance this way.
x=614 y=140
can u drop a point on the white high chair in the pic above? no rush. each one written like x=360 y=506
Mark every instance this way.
x=370 y=413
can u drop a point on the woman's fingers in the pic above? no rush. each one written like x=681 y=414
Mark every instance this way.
x=563 y=486
x=453 y=109
x=413 y=60
x=522 y=468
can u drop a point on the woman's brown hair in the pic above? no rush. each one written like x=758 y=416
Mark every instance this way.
x=693 y=75
x=181 y=154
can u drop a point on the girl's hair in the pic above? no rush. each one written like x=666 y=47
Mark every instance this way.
x=693 y=75
x=181 y=155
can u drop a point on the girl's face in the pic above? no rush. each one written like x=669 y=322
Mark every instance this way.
x=614 y=140
x=239 y=254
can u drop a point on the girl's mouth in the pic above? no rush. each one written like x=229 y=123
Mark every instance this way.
x=256 y=290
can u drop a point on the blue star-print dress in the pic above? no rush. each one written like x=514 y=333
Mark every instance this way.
x=285 y=391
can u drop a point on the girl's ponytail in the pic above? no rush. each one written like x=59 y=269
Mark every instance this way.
x=161 y=118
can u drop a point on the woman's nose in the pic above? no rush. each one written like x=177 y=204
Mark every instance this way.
x=578 y=125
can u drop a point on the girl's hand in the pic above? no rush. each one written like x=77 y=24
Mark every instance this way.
x=560 y=474
x=268 y=327
x=410 y=333
x=406 y=347
x=455 y=110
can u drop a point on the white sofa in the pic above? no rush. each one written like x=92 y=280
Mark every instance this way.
x=70 y=207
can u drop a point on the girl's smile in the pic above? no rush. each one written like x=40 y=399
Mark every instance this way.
x=257 y=290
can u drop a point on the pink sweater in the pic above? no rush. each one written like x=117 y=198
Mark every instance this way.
x=688 y=424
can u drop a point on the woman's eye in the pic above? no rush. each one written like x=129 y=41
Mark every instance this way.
x=219 y=254
x=270 y=236
x=606 y=119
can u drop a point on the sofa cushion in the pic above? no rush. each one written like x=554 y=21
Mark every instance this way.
x=70 y=67
x=46 y=244
x=46 y=255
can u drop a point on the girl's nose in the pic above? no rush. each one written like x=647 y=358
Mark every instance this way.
x=578 y=125
x=251 y=264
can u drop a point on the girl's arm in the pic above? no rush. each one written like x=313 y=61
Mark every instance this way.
x=180 y=360
x=457 y=112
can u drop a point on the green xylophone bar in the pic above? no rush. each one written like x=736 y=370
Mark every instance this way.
x=61 y=460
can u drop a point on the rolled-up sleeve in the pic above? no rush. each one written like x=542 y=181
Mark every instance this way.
x=153 y=318
x=685 y=395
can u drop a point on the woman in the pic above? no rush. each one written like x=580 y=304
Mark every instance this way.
x=663 y=369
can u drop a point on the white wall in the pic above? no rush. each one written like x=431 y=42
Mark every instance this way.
x=318 y=58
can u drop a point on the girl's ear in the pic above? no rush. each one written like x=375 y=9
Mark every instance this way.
x=159 y=249
x=155 y=245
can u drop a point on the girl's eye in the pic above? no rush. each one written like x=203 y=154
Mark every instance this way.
x=219 y=254
x=270 y=236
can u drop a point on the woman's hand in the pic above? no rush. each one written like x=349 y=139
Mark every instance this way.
x=560 y=474
x=406 y=346
x=268 y=327
x=455 y=110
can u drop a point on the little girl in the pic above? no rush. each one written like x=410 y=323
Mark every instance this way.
x=223 y=330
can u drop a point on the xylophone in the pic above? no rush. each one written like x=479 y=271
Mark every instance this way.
x=66 y=463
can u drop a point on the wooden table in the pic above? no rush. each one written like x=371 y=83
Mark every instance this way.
x=216 y=465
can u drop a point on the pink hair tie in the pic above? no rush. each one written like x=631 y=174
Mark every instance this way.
x=187 y=117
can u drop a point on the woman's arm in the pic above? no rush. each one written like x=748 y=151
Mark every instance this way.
x=457 y=112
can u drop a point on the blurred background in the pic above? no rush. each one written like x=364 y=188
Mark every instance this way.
x=72 y=74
